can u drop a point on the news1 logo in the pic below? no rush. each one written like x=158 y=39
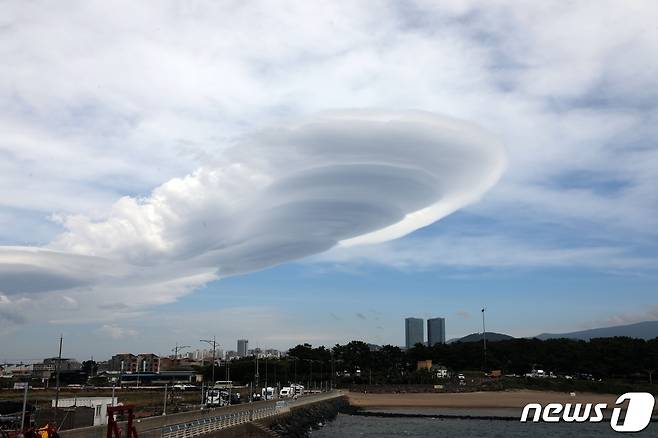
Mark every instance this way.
x=637 y=416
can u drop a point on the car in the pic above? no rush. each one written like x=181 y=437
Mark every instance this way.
x=184 y=386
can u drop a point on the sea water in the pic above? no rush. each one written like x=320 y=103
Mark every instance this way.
x=349 y=426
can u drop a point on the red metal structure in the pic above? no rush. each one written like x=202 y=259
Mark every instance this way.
x=113 y=430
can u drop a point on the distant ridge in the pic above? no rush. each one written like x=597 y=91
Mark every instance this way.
x=642 y=330
x=477 y=337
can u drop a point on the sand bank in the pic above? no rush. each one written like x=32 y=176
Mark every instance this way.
x=489 y=399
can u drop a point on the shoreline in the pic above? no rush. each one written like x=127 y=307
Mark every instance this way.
x=510 y=399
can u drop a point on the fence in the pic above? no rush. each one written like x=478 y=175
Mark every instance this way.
x=212 y=424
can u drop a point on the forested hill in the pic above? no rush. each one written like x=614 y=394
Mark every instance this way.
x=641 y=330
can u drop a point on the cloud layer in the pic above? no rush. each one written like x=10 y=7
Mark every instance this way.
x=344 y=177
x=101 y=102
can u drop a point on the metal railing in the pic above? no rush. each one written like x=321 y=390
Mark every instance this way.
x=212 y=424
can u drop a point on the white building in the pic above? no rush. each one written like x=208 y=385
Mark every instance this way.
x=98 y=404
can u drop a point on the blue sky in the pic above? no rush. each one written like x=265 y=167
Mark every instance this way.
x=318 y=172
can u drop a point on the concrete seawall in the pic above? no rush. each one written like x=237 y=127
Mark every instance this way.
x=232 y=421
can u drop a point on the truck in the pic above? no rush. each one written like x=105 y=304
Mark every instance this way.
x=220 y=394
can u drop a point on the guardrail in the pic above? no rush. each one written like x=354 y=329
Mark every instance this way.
x=212 y=424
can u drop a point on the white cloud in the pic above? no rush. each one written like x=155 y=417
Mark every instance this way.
x=281 y=194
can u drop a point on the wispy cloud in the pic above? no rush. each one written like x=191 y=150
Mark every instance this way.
x=496 y=252
x=116 y=332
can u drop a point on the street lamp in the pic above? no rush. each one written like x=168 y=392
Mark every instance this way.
x=310 y=375
x=484 y=339
x=295 y=359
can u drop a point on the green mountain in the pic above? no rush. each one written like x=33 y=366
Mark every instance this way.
x=477 y=337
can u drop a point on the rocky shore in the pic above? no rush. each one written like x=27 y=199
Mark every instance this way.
x=299 y=421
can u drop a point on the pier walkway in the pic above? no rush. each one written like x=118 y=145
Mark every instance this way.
x=200 y=422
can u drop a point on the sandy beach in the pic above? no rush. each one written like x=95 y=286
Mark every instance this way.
x=489 y=399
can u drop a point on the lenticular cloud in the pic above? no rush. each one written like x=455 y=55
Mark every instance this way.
x=341 y=178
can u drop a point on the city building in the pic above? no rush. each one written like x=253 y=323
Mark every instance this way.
x=43 y=370
x=11 y=370
x=205 y=355
x=103 y=366
x=413 y=332
x=65 y=364
x=148 y=363
x=123 y=362
x=436 y=331
x=243 y=345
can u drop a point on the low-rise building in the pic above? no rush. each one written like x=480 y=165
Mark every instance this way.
x=123 y=362
x=231 y=354
x=65 y=364
x=148 y=363
x=98 y=404
x=11 y=370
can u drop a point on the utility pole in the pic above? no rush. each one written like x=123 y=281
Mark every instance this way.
x=164 y=409
x=266 y=377
x=228 y=378
x=59 y=366
x=484 y=339
x=177 y=348
x=27 y=385
x=331 y=352
x=214 y=346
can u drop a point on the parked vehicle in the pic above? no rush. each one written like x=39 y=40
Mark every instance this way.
x=294 y=390
x=214 y=398
x=268 y=393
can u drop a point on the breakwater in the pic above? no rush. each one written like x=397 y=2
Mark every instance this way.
x=300 y=420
